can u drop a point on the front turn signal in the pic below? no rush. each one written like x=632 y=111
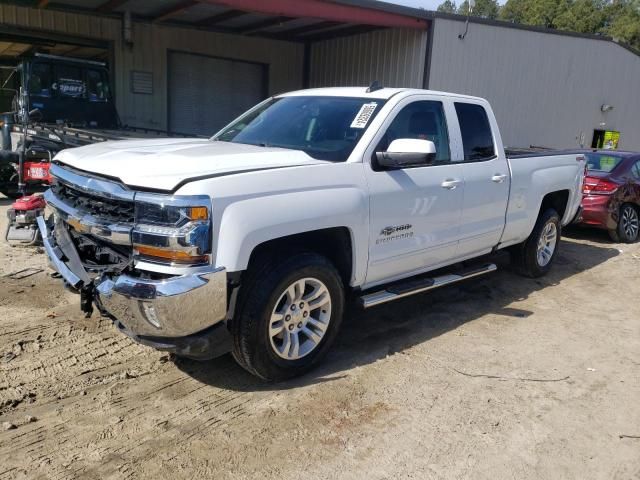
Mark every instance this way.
x=164 y=254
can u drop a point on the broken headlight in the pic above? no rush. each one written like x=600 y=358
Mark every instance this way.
x=172 y=230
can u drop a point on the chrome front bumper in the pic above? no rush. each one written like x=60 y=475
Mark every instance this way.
x=170 y=308
x=174 y=307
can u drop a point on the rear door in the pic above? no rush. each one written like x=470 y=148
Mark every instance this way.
x=487 y=180
x=414 y=212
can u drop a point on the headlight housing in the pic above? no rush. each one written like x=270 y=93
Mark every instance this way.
x=172 y=230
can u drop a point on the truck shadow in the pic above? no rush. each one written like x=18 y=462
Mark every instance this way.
x=586 y=233
x=367 y=336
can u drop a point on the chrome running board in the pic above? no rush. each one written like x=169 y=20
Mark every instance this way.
x=412 y=286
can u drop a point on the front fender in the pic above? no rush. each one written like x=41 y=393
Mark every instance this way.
x=247 y=223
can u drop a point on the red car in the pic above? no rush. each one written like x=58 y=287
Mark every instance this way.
x=612 y=194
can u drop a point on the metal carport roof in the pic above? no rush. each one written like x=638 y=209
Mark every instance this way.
x=292 y=20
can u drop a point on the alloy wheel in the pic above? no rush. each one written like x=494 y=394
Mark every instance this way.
x=547 y=244
x=300 y=319
x=629 y=222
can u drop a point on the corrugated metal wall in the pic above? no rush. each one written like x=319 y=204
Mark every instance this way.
x=395 y=57
x=149 y=53
x=545 y=89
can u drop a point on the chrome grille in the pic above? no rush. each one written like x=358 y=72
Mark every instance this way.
x=107 y=209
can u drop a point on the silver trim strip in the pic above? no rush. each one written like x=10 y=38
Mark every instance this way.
x=172 y=269
x=384 y=296
x=174 y=200
x=91 y=185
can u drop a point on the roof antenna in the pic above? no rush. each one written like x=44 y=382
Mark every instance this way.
x=374 y=87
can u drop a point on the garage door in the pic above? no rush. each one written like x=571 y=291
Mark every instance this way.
x=206 y=93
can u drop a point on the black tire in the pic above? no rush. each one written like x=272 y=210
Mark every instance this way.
x=9 y=181
x=622 y=233
x=261 y=289
x=11 y=194
x=525 y=255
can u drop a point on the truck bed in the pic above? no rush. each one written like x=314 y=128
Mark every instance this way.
x=523 y=152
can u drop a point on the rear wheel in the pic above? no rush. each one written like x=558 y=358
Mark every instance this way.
x=628 y=225
x=288 y=316
x=535 y=256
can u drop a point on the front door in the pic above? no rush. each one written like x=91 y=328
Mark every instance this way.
x=415 y=212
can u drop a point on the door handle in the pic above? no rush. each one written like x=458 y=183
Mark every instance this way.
x=499 y=178
x=450 y=183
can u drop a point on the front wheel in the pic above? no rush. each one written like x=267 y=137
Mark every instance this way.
x=535 y=256
x=288 y=315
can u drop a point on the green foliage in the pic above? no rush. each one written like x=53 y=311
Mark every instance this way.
x=448 y=7
x=619 y=19
x=483 y=8
x=622 y=21
x=584 y=16
x=514 y=11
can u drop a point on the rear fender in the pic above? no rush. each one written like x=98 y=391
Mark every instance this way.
x=528 y=189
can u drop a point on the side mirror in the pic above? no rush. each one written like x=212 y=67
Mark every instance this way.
x=407 y=153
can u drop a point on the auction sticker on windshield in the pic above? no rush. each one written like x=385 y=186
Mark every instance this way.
x=363 y=116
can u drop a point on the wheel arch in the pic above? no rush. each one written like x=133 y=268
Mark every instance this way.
x=558 y=200
x=335 y=243
x=309 y=219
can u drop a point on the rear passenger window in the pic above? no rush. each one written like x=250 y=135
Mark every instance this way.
x=477 y=139
x=635 y=170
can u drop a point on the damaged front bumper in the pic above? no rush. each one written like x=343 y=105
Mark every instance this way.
x=182 y=314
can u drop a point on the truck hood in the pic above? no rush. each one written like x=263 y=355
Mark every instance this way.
x=164 y=164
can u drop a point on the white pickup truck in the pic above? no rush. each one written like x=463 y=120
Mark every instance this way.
x=251 y=240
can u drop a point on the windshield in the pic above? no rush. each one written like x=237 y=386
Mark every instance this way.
x=602 y=162
x=326 y=128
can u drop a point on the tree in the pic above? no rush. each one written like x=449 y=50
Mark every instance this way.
x=619 y=19
x=447 y=7
x=622 y=21
x=514 y=11
x=584 y=16
x=483 y=8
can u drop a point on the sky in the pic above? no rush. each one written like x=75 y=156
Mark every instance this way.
x=426 y=4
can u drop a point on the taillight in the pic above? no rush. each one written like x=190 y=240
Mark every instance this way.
x=598 y=186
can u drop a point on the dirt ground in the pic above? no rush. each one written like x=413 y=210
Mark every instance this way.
x=500 y=377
